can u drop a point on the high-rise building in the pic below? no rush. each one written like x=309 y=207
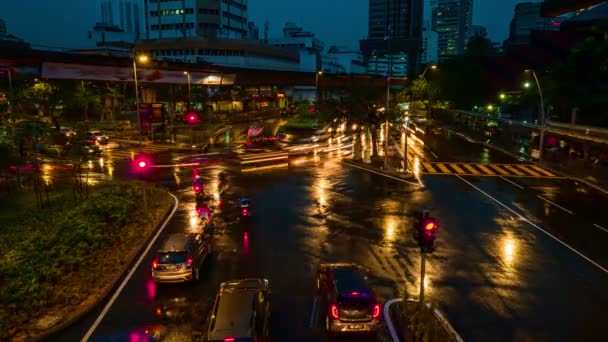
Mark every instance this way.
x=394 y=37
x=479 y=31
x=203 y=18
x=430 y=39
x=120 y=25
x=527 y=18
x=452 y=20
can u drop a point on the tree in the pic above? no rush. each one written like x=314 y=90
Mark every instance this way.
x=580 y=81
x=43 y=95
x=87 y=98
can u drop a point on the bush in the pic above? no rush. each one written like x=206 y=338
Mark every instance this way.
x=41 y=247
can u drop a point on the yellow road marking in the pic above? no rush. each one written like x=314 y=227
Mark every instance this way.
x=265 y=167
x=540 y=169
x=457 y=168
x=486 y=170
x=501 y=171
x=523 y=167
x=514 y=170
x=443 y=168
x=470 y=168
x=429 y=168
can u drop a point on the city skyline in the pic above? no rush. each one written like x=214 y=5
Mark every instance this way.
x=58 y=27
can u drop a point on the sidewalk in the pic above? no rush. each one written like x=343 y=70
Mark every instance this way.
x=593 y=176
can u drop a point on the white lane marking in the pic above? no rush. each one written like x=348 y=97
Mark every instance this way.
x=388 y=320
x=385 y=175
x=557 y=205
x=600 y=227
x=106 y=308
x=512 y=182
x=315 y=312
x=534 y=225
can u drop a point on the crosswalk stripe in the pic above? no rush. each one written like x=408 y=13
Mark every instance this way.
x=429 y=168
x=514 y=170
x=486 y=170
x=457 y=168
x=470 y=168
x=501 y=171
x=541 y=170
x=523 y=167
x=443 y=168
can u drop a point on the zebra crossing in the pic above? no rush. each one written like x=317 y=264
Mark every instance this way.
x=479 y=169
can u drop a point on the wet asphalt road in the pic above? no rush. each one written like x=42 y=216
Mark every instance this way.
x=496 y=276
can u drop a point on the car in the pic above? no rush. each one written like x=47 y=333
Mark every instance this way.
x=241 y=311
x=348 y=302
x=181 y=257
x=97 y=137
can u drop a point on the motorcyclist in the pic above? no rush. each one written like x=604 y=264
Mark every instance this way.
x=197 y=184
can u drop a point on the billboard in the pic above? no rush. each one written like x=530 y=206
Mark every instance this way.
x=125 y=74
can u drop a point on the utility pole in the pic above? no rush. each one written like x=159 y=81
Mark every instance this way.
x=388 y=97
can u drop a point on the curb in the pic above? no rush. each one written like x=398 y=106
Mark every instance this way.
x=438 y=316
x=544 y=165
x=389 y=320
x=131 y=259
x=408 y=179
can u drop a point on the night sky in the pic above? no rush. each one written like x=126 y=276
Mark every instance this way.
x=65 y=23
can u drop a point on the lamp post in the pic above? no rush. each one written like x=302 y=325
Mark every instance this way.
x=10 y=97
x=542 y=114
x=318 y=74
x=388 y=94
x=142 y=59
x=189 y=83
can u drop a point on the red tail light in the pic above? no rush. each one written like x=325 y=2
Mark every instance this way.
x=229 y=339
x=189 y=260
x=154 y=264
x=376 y=313
x=429 y=226
x=197 y=188
x=334 y=312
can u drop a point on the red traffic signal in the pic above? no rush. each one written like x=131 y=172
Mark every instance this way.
x=141 y=163
x=192 y=118
x=430 y=226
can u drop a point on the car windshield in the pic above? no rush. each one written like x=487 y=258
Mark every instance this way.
x=171 y=257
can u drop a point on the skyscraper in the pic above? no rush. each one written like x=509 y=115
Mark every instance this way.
x=429 y=44
x=204 y=18
x=394 y=37
x=526 y=19
x=452 y=20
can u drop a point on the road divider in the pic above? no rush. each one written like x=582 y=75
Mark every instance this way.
x=126 y=279
x=555 y=205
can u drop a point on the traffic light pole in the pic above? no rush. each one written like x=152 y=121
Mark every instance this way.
x=422 y=271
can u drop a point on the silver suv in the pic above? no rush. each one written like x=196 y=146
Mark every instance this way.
x=181 y=257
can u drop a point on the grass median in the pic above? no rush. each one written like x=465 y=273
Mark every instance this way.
x=57 y=261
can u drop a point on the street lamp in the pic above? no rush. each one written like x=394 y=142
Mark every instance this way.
x=527 y=85
x=189 y=83
x=318 y=74
x=142 y=59
x=542 y=113
x=10 y=97
x=502 y=96
x=490 y=107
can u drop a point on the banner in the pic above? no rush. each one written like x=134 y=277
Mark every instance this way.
x=125 y=74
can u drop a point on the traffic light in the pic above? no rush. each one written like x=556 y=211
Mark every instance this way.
x=141 y=164
x=192 y=118
x=427 y=232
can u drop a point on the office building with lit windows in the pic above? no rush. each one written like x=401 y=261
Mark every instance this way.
x=452 y=20
x=394 y=38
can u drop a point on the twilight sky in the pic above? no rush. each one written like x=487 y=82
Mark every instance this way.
x=64 y=23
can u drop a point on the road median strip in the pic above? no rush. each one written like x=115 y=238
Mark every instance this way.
x=113 y=284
